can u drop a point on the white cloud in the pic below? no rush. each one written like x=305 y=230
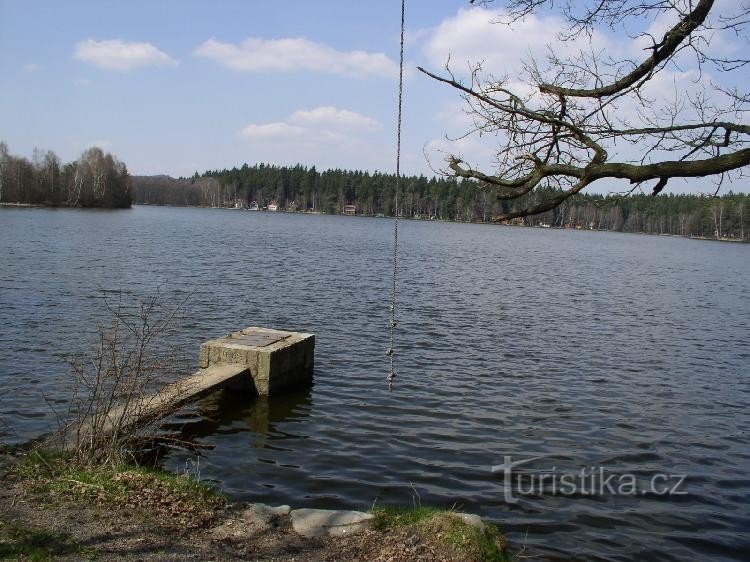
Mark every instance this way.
x=329 y=116
x=470 y=36
x=31 y=67
x=325 y=123
x=326 y=137
x=473 y=35
x=116 y=54
x=270 y=131
x=294 y=54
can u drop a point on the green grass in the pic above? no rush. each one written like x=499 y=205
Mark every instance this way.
x=477 y=544
x=57 y=474
x=53 y=479
x=182 y=484
x=387 y=517
x=471 y=543
x=32 y=544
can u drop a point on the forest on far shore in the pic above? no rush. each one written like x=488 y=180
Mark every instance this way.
x=99 y=179
x=299 y=188
x=96 y=179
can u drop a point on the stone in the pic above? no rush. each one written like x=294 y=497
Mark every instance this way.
x=275 y=359
x=470 y=519
x=336 y=523
x=265 y=514
x=254 y=518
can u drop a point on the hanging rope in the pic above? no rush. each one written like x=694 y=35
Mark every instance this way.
x=392 y=349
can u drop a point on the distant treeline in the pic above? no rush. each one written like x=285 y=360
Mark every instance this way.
x=299 y=188
x=96 y=179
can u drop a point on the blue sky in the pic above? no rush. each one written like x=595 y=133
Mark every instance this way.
x=178 y=86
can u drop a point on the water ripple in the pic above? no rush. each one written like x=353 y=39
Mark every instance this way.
x=588 y=349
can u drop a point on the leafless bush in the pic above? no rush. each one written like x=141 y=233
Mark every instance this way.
x=115 y=403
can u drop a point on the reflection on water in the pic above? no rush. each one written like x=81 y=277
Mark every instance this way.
x=588 y=349
x=232 y=412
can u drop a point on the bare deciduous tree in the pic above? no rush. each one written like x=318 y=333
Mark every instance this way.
x=589 y=116
x=115 y=407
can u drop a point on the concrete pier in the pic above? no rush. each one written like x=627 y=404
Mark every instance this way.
x=274 y=359
x=257 y=360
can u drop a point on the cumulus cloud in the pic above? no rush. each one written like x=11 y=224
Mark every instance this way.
x=326 y=123
x=470 y=37
x=116 y=54
x=326 y=137
x=329 y=116
x=713 y=42
x=270 y=131
x=295 y=54
x=473 y=36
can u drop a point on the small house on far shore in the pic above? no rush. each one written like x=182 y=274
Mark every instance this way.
x=350 y=210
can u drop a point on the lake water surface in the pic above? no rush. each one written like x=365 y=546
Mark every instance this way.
x=586 y=349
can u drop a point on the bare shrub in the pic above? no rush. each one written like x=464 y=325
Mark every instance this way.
x=115 y=404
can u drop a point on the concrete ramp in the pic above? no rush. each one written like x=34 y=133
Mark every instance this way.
x=197 y=385
x=156 y=406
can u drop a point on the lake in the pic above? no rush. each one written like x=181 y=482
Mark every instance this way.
x=581 y=350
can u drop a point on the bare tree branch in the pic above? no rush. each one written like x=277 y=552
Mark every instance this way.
x=561 y=136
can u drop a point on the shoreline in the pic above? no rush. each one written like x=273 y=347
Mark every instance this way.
x=487 y=223
x=51 y=508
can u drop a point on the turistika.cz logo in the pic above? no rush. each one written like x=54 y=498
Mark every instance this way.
x=588 y=481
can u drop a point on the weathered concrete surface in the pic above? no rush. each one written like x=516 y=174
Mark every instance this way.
x=153 y=407
x=254 y=518
x=265 y=513
x=275 y=359
x=319 y=522
x=261 y=360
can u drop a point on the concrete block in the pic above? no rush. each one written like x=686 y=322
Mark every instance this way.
x=337 y=523
x=275 y=359
x=470 y=519
x=265 y=515
x=255 y=518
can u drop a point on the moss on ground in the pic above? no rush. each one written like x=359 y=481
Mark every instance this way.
x=33 y=544
x=470 y=542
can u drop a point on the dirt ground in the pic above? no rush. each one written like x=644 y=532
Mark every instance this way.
x=65 y=529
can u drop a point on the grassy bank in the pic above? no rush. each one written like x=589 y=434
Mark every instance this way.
x=54 y=508
x=54 y=495
x=184 y=500
x=467 y=541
